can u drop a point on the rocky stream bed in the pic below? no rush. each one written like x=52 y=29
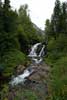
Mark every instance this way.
x=34 y=88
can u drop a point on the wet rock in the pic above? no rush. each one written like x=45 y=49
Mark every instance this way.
x=19 y=69
x=41 y=73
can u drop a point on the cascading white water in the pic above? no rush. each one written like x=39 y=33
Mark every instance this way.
x=21 y=78
x=33 y=50
x=37 y=60
x=41 y=54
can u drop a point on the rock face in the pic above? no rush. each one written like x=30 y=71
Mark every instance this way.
x=19 y=69
x=39 y=31
x=41 y=72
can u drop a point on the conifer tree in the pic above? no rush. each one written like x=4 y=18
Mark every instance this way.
x=1 y=17
x=55 y=21
x=7 y=5
x=64 y=18
x=6 y=12
x=8 y=38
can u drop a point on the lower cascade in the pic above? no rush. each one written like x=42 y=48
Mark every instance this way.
x=36 y=57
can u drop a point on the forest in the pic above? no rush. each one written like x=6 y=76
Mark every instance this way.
x=18 y=34
x=56 y=35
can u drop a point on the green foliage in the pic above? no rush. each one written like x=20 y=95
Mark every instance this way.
x=64 y=18
x=47 y=29
x=16 y=35
x=57 y=48
x=26 y=95
x=1 y=18
x=57 y=59
x=57 y=25
x=7 y=42
x=59 y=80
x=8 y=28
x=30 y=95
x=56 y=33
x=58 y=74
x=26 y=32
x=6 y=4
x=23 y=39
x=4 y=92
x=10 y=60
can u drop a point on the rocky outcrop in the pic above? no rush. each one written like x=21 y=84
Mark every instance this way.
x=41 y=72
x=36 y=83
x=19 y=69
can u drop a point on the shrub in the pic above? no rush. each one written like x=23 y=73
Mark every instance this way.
x=59 y=80
x=10 y=60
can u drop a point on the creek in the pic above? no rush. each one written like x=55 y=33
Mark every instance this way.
x=36 y=58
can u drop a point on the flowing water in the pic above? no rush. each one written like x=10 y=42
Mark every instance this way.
x=27 y=72
x=33 y=50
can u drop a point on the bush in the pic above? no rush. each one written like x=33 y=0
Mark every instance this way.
x=59 y=80
x=57 y=58
x=59 y=45
x=10 y=60
x=57 y=48
x=30 y=95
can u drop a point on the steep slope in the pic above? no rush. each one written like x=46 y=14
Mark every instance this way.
x=39 y=31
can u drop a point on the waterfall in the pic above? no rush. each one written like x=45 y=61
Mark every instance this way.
x=27 y=72
x=21 y=78
x=41 y=54
x=33 y=50
x=33 y=55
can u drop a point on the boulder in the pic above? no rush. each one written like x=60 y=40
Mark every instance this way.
x=20 y=69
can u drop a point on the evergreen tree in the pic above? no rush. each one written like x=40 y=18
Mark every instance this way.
x=64 y=18
x=6 y=12
x=1 y=17
x=7 y=5
x=58 y=23
x=47 y=29
x=28 y=35
x=55 y=20
x=8 y=36
x=1 y=26
x=0 y=3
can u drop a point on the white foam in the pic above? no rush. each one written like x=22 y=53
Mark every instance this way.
x=20 y=78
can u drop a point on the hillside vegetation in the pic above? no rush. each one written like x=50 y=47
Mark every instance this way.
x=18 y=34
x=56 y=35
